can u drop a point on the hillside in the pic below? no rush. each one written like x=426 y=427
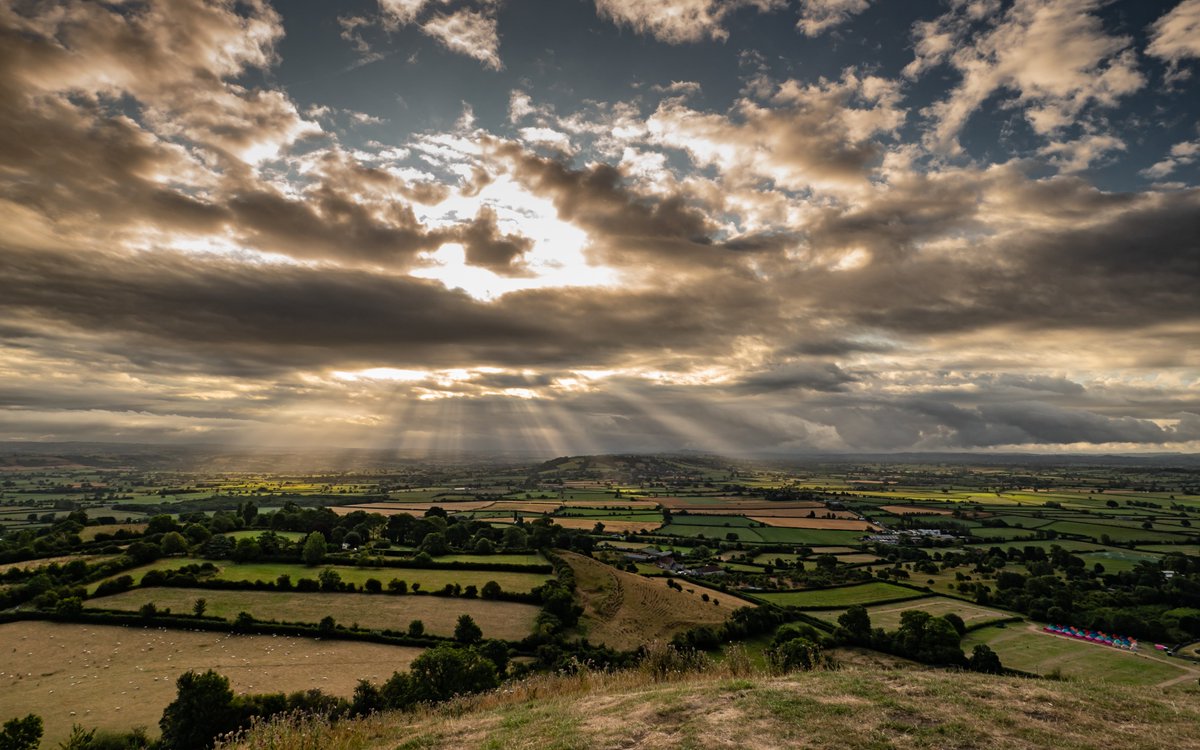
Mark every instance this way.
x=624 y=610
x=850 y=708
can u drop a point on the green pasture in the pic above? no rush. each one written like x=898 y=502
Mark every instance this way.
x=887 y=616
x=845 y=596
x=1116 y=533
x=1118 y=560
x=1177 y=549
x=1019 y=647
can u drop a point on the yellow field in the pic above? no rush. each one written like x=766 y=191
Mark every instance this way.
x=89 y=532
x=506 y=620
x=587 y=523
x=60 y=560
x=117 y=678
x=416 y=509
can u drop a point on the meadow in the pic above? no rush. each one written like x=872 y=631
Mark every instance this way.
x=844 y=596
x=1023 y=646
x=887 y=616
x=118 y=678
x=505 y=620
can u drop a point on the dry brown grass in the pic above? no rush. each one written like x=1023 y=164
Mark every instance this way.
x=116 y=678
x=506 y=620
x=527 y=506
x=59 y=560
x=614 y=503
x=872 y=706
x=394 y=509
x=624 y=610
x=89 y=532
x=587 y=523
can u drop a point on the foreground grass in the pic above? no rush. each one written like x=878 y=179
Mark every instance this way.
x=852 y=707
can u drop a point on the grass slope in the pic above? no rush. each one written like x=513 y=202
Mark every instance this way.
x=624 y=610
x=850 y=708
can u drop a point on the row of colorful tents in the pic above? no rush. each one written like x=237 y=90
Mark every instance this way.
x=1094 y=636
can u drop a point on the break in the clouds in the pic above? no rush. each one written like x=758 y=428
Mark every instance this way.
x=741 y=226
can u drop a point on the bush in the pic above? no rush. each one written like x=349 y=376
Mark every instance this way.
x=21 y=734
x=466 y=631
x=796 y=654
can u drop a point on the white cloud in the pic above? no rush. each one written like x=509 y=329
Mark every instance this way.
x=470 y=29
x=470 y=33
x=1079 y=154
x=803 y=136
x=679 y=21
x=1181 y=155
x=1176 y=35
x=1054 y=55
x=818 y=16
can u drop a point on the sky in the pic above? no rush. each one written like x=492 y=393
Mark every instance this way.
x=550 y=227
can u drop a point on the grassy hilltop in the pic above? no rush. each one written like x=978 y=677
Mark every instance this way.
x=854 y=707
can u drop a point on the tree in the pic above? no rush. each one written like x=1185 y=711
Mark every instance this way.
x=202 y=709
x=330 y=579
x=246 y=550
x=490 y=590
x=173 y=543
x=466 y=631
x=446 y=671
x=435 y=544
x=515 y=539
x=984 y=659
x=367 y=699
x=22 y=734
x=161 y=524
x=199 y=607
x=857 y=624
x=416 y=628
x=314 y=549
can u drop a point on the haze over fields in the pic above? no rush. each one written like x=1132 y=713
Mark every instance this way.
x=577 y=227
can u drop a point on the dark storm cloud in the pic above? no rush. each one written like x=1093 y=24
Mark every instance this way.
x=817 y=377
x=221 y=311
x=1138 y=267
x=487 y=247
x=791 y=257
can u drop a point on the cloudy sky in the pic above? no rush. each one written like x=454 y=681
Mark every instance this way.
x=565 y=226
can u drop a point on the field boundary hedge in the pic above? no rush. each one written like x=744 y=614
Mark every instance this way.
x=125 y=618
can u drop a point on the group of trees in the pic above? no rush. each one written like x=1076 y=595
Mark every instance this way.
x=920 y=637
x=1154 y=601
